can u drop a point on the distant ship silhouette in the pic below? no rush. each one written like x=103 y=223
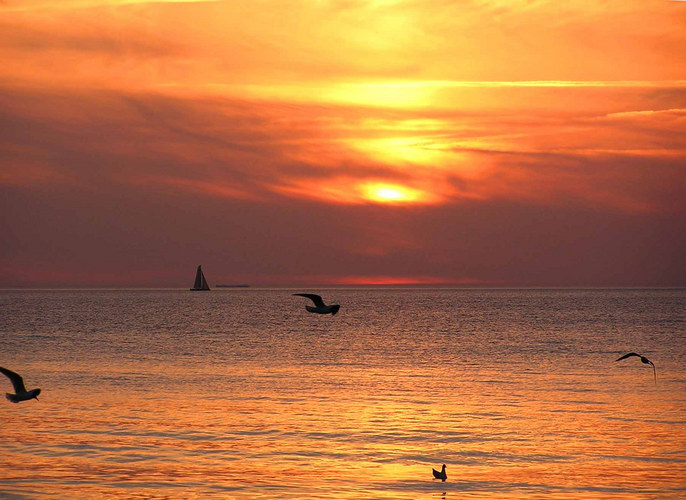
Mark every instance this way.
x=200 y=282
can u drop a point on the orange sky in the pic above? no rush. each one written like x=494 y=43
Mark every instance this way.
x=299 y=143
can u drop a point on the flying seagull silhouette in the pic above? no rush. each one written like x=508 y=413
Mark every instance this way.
x=21 y=393
x=440 y=475
x=319 y=306
x=644 y=360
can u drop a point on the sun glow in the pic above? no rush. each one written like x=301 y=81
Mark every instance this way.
x=355 y=191
x=391 y=193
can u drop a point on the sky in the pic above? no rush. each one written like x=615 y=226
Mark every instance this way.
x=313 y=143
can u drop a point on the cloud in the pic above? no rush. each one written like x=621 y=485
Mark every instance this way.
x=267 y=45
x=42 y=5
x=257 y=150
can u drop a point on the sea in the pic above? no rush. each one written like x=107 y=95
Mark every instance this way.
x=243 y=394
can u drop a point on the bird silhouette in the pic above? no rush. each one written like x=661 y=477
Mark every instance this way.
x=440 y=475
x=644 y=360
x=18 y=382
x=319 y=306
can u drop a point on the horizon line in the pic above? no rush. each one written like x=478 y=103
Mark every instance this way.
x=354 y=286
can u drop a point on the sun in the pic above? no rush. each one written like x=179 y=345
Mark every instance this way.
x=390 y=193
x=349 y=190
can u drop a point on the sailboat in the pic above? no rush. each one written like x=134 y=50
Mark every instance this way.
x=200 y=284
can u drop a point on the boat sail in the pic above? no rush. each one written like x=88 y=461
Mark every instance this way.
x=200 y=284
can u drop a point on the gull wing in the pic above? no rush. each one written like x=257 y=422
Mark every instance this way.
x=628 y=356
x=313 y=297
x=15 y=378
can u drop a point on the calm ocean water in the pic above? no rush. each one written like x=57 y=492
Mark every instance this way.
x=240 y=393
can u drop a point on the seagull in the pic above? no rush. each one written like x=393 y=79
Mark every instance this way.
x=21 y=393
x=440 y=475
x=644 y=360
x=319 y=306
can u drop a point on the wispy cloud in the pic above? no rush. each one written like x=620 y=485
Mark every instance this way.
x=40 y=5
x=267 y=151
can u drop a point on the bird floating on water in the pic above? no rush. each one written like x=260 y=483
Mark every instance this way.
x=18 y=382
x=319 y=306
x=440 y=475
x=644 y=360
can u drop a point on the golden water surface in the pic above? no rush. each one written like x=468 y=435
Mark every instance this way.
x=158 y=394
